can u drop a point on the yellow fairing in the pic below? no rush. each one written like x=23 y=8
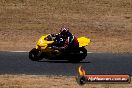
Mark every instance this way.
x=43 y=43
x=83 y=41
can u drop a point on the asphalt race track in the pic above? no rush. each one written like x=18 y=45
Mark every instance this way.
x=95 y=63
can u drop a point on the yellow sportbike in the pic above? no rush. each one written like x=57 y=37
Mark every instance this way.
x=45 y=48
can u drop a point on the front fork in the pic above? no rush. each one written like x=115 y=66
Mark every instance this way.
x=40 y=52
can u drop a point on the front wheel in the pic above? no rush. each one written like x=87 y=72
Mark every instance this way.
x=34 y=55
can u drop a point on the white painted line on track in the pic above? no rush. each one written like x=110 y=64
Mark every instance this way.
x=18 y=51
x=89 y=52
x=28 y=51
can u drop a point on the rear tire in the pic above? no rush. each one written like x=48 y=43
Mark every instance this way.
x=33 y=55
x=84 y=52
x=78 y=56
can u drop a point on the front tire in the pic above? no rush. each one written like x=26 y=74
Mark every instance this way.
x=34 y=55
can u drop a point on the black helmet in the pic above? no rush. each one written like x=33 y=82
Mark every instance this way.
x=64 y=31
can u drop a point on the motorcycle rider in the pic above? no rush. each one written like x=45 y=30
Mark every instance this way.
x=70 y=42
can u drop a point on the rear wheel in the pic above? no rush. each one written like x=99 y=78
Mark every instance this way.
x=78 y=56
x=34 y=55
x=83 y=52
